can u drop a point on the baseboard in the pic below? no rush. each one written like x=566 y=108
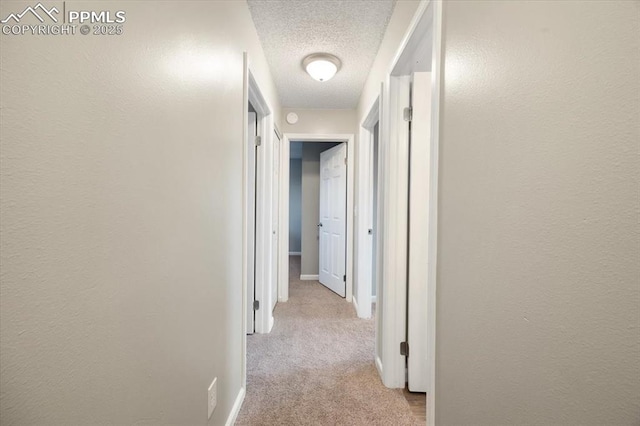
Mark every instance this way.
x=271 y=322
x=309 y=277
x=235 y=410
x=374 y=299
x=295 y=253
x=379 y=366
x=355 y=305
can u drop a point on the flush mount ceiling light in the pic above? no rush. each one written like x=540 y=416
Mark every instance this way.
x=321 y=66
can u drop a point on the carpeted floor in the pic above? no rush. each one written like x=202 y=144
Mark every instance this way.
x=316 y=367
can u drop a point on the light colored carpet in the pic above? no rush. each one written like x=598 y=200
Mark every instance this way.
x=316 y=367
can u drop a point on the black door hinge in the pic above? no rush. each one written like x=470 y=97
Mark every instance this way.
x=344 y=278
x=256 y=305
x=404 y=348
x=407 y=114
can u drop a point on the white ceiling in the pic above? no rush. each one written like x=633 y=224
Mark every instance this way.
x=292 y=29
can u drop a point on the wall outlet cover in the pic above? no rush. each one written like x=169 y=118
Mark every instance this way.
x=212 y=396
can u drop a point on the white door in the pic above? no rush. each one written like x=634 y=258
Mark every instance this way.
x=276 y=215
x=251 y=220
x=333 y=218
x=419 y=161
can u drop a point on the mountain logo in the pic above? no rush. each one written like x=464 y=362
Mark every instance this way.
x=34 y=11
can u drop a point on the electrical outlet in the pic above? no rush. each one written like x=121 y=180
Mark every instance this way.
x=212 y=395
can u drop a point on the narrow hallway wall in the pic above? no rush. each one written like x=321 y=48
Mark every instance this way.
x=538 y=274
x=121 y=203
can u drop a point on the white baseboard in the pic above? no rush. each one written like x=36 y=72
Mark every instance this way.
x=379 y=366
x=374 y=299
x=360 y=314
x=235 y=410
x=309 y=277
x=295 y=253
x=271 y=322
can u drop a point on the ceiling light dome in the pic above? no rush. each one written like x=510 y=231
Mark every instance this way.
x=321 y=66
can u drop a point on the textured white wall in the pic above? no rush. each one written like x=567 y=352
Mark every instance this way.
x=121 y=170
x=320 y=121
x=538 y=293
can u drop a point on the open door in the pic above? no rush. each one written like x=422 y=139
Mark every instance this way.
x=251 y=218
x=333 y=218
x=419 y=170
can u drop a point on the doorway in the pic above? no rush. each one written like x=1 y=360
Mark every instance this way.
x=260 y=224
x=410 y=122
x=317 y=213
x=314 y=142
x=251 y=147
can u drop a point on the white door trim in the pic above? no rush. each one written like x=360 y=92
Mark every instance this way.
x=436 y=87
x=394 y=131
x=250 y=200
x=263 y=319
x=283 y=264
x=274 y=186
x=245 y=218
x=419 y=203
x=396 y=330
x=263 y=205
x=364 y=214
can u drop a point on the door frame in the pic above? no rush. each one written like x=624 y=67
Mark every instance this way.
x=365 y=253
x=419 y=204
x=265 y=129
x=264 y=177
x=395 y=186
x=283 y=248
x=274 y=186
x=395 y=133
x=251 y=221
x=437 y=65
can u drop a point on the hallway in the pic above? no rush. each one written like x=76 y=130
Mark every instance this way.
x=316 y=366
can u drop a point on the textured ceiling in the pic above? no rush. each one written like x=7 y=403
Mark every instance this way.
x=292 y=29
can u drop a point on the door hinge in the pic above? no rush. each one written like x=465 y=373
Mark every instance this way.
x=404 y=348
x=345 y=160
x=344 y=278
x=258 y=141
x=407 y=114
x=256 y=305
